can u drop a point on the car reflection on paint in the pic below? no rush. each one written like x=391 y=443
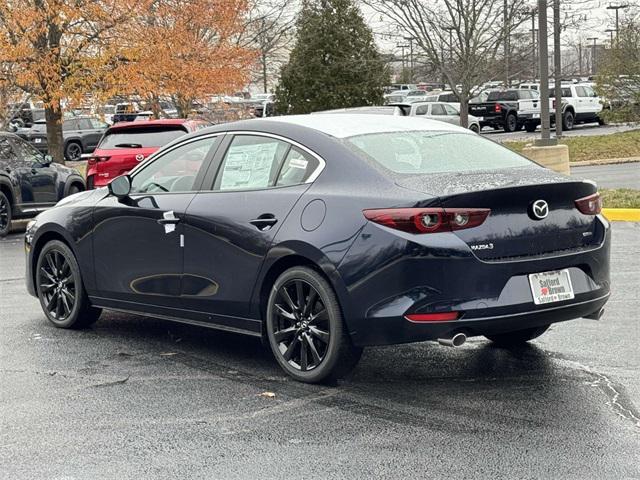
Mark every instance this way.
x=324 y=234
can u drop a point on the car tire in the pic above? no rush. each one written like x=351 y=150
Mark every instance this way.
x=73 y=189
x=568 y=120
x=5 y=215
x=60 y=289
x=474 y=128
x=601 y=121
x=72 y=151
x=305 y=328
x=510 y=123
x=530 y=127
x=517 y=337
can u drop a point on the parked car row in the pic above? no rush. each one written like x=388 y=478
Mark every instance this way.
x=514 y=109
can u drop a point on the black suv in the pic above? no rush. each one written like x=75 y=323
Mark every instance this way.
x=80 y=134
x=29 y=181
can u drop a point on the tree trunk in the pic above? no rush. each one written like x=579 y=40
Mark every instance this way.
x=464 y=110
x=155 y=106
x=53 y=117
x=264 y=71
x=183 y=106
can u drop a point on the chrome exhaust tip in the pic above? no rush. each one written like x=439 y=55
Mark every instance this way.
x=597 y=315
x=456 y=341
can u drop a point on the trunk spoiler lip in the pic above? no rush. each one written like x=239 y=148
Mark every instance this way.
x=548 y=178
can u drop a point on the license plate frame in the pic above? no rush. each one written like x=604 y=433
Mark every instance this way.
x=37 y=140
x=551 y=287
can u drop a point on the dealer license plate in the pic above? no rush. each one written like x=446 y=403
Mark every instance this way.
x=37 y=140
x=535 y=115
x=550 y=287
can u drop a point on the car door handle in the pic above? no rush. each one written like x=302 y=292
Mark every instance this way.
x=264 y=221
x=168 y=221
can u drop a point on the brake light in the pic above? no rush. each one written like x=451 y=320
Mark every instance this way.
x=591 y=205
x=428 y=220
x=94 y=160
x=432 y=317
x=498 y=108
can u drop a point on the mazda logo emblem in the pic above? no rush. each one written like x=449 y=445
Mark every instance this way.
x=539 y=209
x=139 y=157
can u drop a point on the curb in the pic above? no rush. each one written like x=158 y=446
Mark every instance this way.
x=604 y=161
x=622 y=214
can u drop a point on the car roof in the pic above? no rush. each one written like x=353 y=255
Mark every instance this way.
x=343 y=125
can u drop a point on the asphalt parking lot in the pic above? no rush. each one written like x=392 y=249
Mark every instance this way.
x=135 y=397
x=583 y=130
x=620 y=175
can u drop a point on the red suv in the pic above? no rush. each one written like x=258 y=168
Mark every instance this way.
x=126 y=144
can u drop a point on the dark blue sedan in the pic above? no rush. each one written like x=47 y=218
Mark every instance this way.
x=323 y=234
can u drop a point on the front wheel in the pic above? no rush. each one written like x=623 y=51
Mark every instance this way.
x=530 y=127
x=60 y=289
x=73 y=151
x=5 y=215
x=568 y=120
x=517 y=337
x=305 y=328
x=474 y=127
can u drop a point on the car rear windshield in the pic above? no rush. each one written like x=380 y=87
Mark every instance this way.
x=419 y=152
x=509 y=96
x=140 y=137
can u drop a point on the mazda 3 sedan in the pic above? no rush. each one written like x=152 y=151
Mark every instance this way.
x=323 y=234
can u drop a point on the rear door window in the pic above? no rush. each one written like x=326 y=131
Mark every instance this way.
x=252 y=162
x=422 y=110
x=437 y=109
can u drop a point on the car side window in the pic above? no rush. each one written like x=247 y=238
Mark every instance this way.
x=175 y=171
x=251 y=162
x=6 y=151
x=450 y=110
x=297 y=168
x=27 y=152
x=84 y=124
x=69 y=125
x=422 y=110
x=589 y=92
x=97 y=124
x=437 y=109
x=581 y=92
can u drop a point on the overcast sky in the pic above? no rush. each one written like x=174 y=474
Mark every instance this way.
x=591 y=20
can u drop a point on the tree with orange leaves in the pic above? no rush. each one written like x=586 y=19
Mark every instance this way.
x=61 y=49
x=186 y=49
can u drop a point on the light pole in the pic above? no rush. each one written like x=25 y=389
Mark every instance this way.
x=617 y=8
x=593 y=54
x=402 y=47
x=545 y=120
x=507 y=46
x=410 y=39
x=610 y=32
x=534 y=33
x=557 y=67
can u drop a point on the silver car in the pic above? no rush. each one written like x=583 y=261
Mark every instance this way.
x=442 y=111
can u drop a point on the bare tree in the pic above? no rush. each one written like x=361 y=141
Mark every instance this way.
x=269 y=28
x=461 y=38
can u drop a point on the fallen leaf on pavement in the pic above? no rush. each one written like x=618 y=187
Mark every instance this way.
x=268 y=395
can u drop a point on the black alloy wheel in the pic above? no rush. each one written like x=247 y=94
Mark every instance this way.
x=57 y=285
x=73 y=151
x=510 y=123
x=60 y=290
x=305 y=329
x=5 y=215
x=302 y=332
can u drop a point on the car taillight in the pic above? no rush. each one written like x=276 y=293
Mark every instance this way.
x=554 y=103
x=591 y=205
x=498 y=108
x=94 y=160
x=428 y=220
x=432 y=317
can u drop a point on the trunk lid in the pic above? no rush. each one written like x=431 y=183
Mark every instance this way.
x=512 y=229
x=120 y=161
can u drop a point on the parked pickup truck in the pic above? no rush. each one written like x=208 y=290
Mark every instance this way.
x=509 y=109
x=580 y=104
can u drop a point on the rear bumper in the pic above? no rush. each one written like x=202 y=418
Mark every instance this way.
x=399 y=330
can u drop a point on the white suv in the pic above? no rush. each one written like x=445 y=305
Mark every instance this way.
x=580 y=104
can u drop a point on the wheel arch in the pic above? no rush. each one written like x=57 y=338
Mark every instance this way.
x=6 y=188
x=293 y=254
x=74 y=180
x=41 y=240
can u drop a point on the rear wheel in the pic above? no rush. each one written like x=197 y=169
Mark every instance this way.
x=305 y=328
x=60 y=289
x=510 y=123
x=517 y=337
x=73 y=189
x=530 y=127
x=568 y=120
x=5 y=215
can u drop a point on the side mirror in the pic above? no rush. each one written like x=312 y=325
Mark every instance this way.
x=47 y=160
x=120 y=186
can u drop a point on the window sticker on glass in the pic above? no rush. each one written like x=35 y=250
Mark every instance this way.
x=298 y=163
x=248 y=166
